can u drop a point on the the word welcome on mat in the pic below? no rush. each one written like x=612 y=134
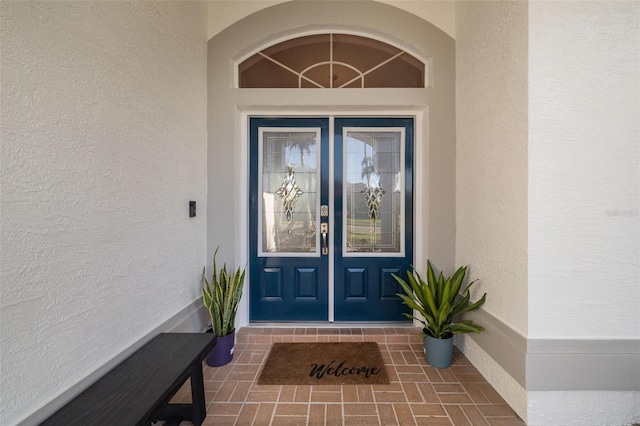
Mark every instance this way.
x=331 y=363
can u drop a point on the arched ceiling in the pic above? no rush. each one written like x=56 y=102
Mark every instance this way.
x=223 y=13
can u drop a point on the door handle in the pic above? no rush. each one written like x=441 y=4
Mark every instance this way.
x=324 y=230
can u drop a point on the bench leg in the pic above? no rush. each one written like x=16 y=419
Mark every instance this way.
x=197 y=396
x=195 y=412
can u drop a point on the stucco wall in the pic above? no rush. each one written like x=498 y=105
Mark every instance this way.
x=584 y=189
x=491 y=154
x=491 y=168
x=223 y=13
x=584 y=100
x=103 y=144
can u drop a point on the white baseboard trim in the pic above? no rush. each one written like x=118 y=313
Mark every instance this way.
x=189 y=319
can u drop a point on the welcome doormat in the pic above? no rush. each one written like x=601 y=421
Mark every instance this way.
x=332 y=363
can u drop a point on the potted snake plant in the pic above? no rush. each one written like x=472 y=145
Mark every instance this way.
x=439 y=303
x=221 y=296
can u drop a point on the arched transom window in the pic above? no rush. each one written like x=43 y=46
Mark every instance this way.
x=331 y=61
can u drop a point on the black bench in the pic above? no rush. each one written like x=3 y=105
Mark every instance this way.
x=137 y=391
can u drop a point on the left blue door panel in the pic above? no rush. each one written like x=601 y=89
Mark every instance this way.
x=286 y=287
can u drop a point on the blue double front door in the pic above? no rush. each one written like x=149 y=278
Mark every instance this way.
x=331 y=218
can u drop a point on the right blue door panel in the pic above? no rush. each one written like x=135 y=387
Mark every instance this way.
x=373 y=199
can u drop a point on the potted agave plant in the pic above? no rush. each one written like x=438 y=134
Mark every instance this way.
x=221 y=296
x=439 y=303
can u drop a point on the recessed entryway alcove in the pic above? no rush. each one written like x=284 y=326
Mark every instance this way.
x=399 y=35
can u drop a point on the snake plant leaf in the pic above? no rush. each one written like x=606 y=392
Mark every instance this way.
x=221 y=297
x=214 y=278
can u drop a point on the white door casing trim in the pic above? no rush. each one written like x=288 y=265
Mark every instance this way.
x=242 y=115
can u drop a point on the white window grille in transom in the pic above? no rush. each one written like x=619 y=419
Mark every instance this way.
x=331 y=61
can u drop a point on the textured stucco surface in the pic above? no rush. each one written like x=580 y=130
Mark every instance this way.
x=223 y=13
x=584 y=163
x=584 y=190
x=584 y=408
x=103 y=144
x=491 y=170
x=491 y=154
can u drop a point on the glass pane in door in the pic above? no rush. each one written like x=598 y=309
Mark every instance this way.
x=289 y=167
x=373 y=205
